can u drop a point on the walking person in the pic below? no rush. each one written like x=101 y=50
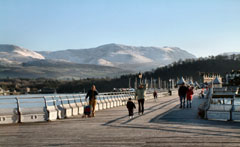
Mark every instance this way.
x=92 y=93
x=202 y=93
x=155 y=95
x=140 y=94
x=130 y=106
x=189 y=97
x=182 y=91
x=169 y=92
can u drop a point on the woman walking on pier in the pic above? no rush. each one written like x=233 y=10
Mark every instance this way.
x=140 y=94
x=92 y=93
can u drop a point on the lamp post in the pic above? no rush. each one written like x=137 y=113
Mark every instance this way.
x=170 y=83
x=140 y=77
x=129 y=83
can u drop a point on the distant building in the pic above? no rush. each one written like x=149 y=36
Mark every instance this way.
x=209 y=77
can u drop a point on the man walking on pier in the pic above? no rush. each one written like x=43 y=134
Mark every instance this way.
x=92 y=93
x=182 y=91
x=140 y=94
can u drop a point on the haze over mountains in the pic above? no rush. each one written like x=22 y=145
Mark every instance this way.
x=107 y=60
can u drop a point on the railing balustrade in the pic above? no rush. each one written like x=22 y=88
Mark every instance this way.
x=37 y=108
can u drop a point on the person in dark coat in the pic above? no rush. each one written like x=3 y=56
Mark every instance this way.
x=131 y=106
x=155 y=94
x=182 y=92
x=92 y=94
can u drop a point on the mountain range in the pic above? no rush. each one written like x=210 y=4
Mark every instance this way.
x=108 y=60
x=122 y=56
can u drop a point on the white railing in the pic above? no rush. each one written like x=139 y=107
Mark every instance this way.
x=37 y=108
x=223 y=105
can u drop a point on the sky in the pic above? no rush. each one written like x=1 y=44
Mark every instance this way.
x=201 y=27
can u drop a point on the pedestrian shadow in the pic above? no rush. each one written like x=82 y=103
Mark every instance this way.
x=147 y=111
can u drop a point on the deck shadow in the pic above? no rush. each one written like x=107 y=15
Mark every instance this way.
x=183 y=117
x=189 y=116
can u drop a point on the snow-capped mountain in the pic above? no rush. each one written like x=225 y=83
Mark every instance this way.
x=17 y=62
x=123 y=56
x=12 y=54
x=82 y=63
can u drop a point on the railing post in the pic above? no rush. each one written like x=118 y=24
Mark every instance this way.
x=18 y=110
x=232 y=103
x=54 y=101
x=45 y=101
x=80 y=98
x=74 y=100
x=68 y=100
x=61 y=100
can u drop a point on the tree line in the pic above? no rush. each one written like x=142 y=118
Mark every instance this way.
x=193 y=68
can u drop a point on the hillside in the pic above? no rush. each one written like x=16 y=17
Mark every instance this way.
x=188 y=68
x=18 y=62
x=111 y=60
x=15 y=54
x=194 y=68
x=122 y=56
x=59 y=70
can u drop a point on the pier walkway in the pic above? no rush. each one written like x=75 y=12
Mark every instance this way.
x=162 y=124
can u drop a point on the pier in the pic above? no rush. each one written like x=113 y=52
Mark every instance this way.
x=162 y=124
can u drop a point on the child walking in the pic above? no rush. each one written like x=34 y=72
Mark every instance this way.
x=155 y=95
x=130 y=106
x=189 y=97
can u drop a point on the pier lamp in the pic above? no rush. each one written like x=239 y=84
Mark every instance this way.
x=140 y=77
x=170 y=83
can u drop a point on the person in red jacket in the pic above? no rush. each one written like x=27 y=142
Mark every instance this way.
x=189 y=96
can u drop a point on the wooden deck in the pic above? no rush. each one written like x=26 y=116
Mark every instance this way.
x=163 y=124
